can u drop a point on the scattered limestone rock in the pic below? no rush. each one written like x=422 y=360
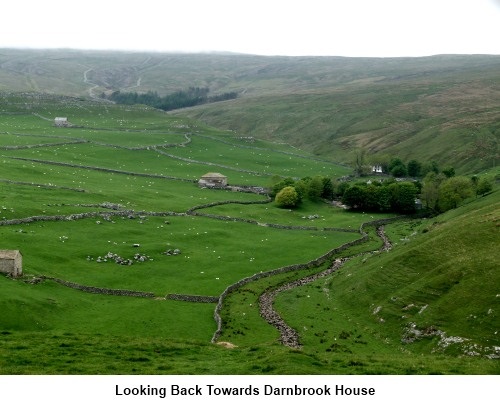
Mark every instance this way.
x=172 y=252
x=138 y=258
x=227 y=345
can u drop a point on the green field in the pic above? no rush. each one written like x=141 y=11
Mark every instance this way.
x=123 y=181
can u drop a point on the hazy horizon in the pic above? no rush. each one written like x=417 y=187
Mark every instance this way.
x=360 y=28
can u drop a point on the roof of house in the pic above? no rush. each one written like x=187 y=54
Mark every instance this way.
x=9 y=254
x=213 y=175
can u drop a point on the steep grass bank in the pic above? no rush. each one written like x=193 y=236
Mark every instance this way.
x=435 y=292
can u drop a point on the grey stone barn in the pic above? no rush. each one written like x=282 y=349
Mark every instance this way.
x=11 y=262
x=213 y=180
x=61 y=122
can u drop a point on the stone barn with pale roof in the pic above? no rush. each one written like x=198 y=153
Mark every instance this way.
x=213 y=180
x=61 y=122
x=11 y=262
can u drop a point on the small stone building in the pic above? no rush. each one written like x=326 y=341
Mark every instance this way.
x=61 y=122
x=213 y=180
x=11 y=262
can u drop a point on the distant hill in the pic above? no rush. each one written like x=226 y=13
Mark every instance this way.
x=444 y=108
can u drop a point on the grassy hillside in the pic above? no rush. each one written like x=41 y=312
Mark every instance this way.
x=436 y=292
x=428 y=114
x=123 y=181
x=442 y=108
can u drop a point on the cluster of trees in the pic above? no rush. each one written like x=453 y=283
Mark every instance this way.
x=439 y=192
x=180 y=99
x=289 y=193
x=386 y=196
x=380 y=196
x=397 y=167
x=442 y=193
x=414 y=168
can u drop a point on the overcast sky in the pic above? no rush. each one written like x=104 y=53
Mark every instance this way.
x=265 y=27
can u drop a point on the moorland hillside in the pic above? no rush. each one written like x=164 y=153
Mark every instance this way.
x=443 y=108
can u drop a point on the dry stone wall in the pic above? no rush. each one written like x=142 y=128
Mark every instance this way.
x=99 y=290
x=192 y=298
x=38 y=185
x=236 y=169
x=153 y=147
x=40 y=145
x=84 y=215
x=311 y=264
x=103 y=169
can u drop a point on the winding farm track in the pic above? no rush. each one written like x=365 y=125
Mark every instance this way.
x=93 y=85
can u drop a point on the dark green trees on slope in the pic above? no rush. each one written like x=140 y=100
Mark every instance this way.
x=396 y=197
x=180 y=99
x=311 y=188
x=441 y=193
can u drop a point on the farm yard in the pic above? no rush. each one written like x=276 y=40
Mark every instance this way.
x=125 y=253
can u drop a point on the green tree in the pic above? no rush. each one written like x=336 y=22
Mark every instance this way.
x=384 y=198
x=315 y=188
x=397 y=168
x=430 y=189
x=354 y=197
x=327 y=192
x=301 y=187
x=278 y=186
x=341 y=188
x=453 y=191
x=475 y=180
x=399 y=171
x=484 y=186
x=403 y=197
x=287 y=197
x=429 y=167
x=371 y=202
x=449 y=171
x=414 y=168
